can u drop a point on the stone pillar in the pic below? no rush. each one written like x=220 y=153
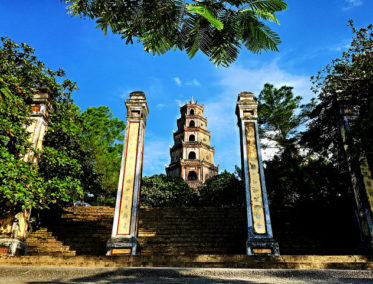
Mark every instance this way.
x=260 y=238
x=125 y=226
x=41 y=107
x=13 y=229
x=361 y=181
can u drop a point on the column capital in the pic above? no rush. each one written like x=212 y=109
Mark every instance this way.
x=41 y=103
x=246 y=107
x=137 y=106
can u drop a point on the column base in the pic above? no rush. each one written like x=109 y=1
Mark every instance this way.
x=262 y=246
x=12 y=247
x=121 y=246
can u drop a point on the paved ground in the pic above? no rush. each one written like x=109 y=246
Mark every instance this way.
x=18 y=274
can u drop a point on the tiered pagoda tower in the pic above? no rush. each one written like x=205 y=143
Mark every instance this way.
x=192 y=157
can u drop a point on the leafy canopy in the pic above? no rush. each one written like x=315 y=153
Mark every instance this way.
x=103 y=140
x=166 y=191
x=72 y=163
x=217 y=28
x=160 y=190
x=280 y=114
x=224 y=189
x=22 y=185
x=346 y=83
x=294 y=178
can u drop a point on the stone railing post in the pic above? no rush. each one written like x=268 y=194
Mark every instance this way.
x=260 y=238
x=13 y=230
x=125 y=226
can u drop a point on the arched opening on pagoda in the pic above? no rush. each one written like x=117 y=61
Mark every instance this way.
x=192 y=156
x=191 y=112
x=192 y=138
x=192 y=175
x=192 y=124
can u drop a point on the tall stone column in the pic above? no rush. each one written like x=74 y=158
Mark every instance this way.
x=361 y=180
x=13 y=229
x=260 y=238
x=125 y=226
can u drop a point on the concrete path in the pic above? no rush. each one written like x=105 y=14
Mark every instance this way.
x=19 y=274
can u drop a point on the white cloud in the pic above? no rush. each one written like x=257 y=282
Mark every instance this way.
x=125 y=94
x=177 y=81
x=180 y=83
x=156 y=154
x=220 y=111
x=194 y=82
x=352 y=3
x=160 y=106
x=237 y=79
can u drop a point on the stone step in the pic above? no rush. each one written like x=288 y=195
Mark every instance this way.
x=47 y=249
x=43 y=243
x=346 y=262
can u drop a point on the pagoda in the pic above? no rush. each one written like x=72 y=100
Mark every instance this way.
x=192 y=157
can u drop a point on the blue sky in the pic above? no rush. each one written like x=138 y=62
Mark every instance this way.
x=106 y=70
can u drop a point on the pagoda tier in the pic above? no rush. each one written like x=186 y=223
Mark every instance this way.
x=192 y=157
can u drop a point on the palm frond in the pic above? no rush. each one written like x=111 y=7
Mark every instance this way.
x=268 y=5
x=256 y=36
x=206 y=12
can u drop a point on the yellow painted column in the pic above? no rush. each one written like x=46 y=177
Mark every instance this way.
x=125 y=226
x=260 y=238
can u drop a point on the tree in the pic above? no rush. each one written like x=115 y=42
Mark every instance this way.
x=278 y=117
x=345 y=83
x=217 y=28
x=224 y=189
x=64 y=169
x=102 y=138
x=294 y=178
x=305 y=181
x=166 y=191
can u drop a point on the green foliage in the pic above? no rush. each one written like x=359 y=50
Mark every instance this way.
x=278 y=119
x=166 y=191
x=297 y=182
x=101 y=134
x=217 y=28
x=294 y=180
x=321 y=178
x=224 y=189
x=345 y=83
x=64 y=168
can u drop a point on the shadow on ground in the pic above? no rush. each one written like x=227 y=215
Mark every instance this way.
x=34 y=275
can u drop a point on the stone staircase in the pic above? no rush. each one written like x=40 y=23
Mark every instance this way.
x=42 y=242
x=162 y=231
x=190 y=231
